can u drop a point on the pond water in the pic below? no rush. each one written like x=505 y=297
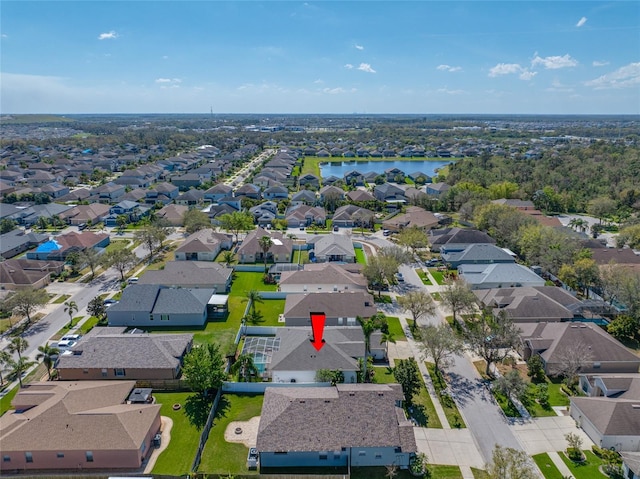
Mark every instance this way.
x=339 y=169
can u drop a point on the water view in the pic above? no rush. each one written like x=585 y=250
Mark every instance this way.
x=339 y=169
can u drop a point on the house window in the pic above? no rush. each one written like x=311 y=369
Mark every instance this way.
x=596 y=365
x=119 y=372
x=89 y=456
x=60 y=455
x=351 y=321
x=104 y=372
x=280 y=453
x=6 y=458
x=85 y=371
x=362 y=453
x=28 y=457
x=378 y=455
x=323 y=456
x=340 y=321
x=164 y=317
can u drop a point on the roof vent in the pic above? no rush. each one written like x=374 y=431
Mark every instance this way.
x=635 y=406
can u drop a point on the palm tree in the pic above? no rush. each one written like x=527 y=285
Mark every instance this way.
x=5 y=358
x=18 y=345
x=254 y=297
x=245 y=368
x=229 y=258
x=19 y=367
x=369 y=326
x=70 y=307
x=46 y=353
x=265 y=244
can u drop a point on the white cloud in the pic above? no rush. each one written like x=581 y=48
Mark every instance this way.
x=365 y=67
x=108 y=35
x=348 y=66
x=334 y=91
x=505 y=69
x=527 y=75
x=597 y=63
x=581 y=22
x=359 y=47
x=559 y=87
x=448 y=68
x=169 y=82
x=626 y=76
x=4 y=35
x=554 y=62
x=318 y=81
x=451 y=92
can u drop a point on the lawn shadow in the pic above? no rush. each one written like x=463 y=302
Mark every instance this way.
x=418 y=413
x=197 y=408
x=464 y=389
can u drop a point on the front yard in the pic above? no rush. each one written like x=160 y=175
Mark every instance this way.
x=447 y=403
x=590 y=469
x=360 y=256
x=546 y=465
x=395 y=328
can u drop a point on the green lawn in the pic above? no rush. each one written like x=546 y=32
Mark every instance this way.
x=5 y=401
x=423 y=276
x=479 y=473
x=300 y=256
x=556 y=396
x=88 y=325
x=247 y=281
x=220 y=456
x=176 y=460
x=546 y=465
x=445 y=472
x=395 y=328
x=448 y=404
x=270 y=309
x=505 y=404
x=360 y=256
x=436 y=472
x=383 y=375
x=61 y=299
x=437 y=275
x=586 y=470
x=436 y=296
x=423 y=410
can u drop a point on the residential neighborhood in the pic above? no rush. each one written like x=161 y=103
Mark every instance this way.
x=160 y=316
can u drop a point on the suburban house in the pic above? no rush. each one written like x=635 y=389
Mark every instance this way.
x=173 y=214
x=352 y=215
x=275 y=192
x=58 y=248
x=111 y=353
x=552 y=341
x=460 y=237
x=360 y=196
x=610 y=415
x=18 y=274
x=145 y=305
x=437 y=189
x=86 y=214
x=415 y=216
x=191 y=274
x=264 y=213
x=217 y=192
x=305 y=197
x=530 y=304
x=89 y=426
x=354 y=177
x=631 y=464
x=394 y=173
x=295 y=359
x=280 y=251
x=332 y=247
x=498 y=275
x=480 y=253
x=389 y=192
x=325 y=277
x=190 y=198
x=203 y=245
x=350 y=438
x=187 y=181
x=331 y=191
x=16 y=241
x=131 y=209
x=309 y=180
x=109 y=192
x=305 y=215
x=249 y=191
x=340 y=308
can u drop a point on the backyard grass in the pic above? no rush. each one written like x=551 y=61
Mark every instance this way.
x=383 y=375
x=88 y=325
x=395 y=328
x=300 y=256
x=585 y=470
x=244 y=282
x=360 y=256
x=423 y=276
x=5 y=401
x=479 y=473
x=61 y=299
x=270 y=310
x=220 y=456
x=177 y=458
x=437 y=275
x=546 y=465
x=423 y=410
x=505 y=404
x=556 y=396
x=448 y=404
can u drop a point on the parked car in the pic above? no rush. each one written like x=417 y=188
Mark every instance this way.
x=71 y=337
x=386 y=232
x=132 y=280
x=335 y=228
x=399 y=278
x=65 y=345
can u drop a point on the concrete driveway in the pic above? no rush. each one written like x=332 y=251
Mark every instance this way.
x=546 y=434
x=454 y=447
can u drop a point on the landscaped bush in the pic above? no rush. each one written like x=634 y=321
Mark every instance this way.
x=610 y=457
x=575 y=454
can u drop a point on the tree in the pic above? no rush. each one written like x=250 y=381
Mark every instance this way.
x=587 y=274
x=236 y=222
x=204 y=368
x=369 y=326
x=440 y=344
x=397 y=254
x=265 y=244
x=5 y=359
x=570 y=360
x=545 y=246
x=535 y=368
x=27 y=301
x=96 y=308
x=19 y=367
x=73 y=260
x=196 y=220
x=457 y=296
x=253 y=297
x=407 y=374
x=47 y=353
x=379 y=270
x=602 y=207
x=121 y=222
x=511 y=384
x=121 y=259
x=244 y=368
x=7 y=225
x=629 y=236
x=501 y=222
x=329 y=376
x=492 y=337
x=509 y=463
x=229 y=258
x=18 y=345
x=623 y=327
x=152 y=236
x=91 y=258
x=413 y=238
x=70 y=307
x=621 y=285
x=419 y=304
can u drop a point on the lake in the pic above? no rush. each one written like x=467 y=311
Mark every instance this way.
x=339 y=169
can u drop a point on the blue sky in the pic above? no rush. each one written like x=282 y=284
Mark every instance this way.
x=546 y=57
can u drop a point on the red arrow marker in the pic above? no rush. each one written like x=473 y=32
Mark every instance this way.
x=317 y=326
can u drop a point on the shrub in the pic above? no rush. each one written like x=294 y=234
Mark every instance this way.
x=574 y=454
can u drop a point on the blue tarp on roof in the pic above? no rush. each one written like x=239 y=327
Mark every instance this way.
x=48 y=247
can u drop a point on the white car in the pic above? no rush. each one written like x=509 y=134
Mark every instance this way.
x=65 y=345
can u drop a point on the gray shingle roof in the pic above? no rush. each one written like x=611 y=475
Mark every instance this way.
x=333 y=244
x=345 y=305
x=328 y=419
x=506 y=273
x=611 y=417
x=478 y=252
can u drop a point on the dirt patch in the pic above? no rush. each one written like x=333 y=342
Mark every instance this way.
x=245 y=432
